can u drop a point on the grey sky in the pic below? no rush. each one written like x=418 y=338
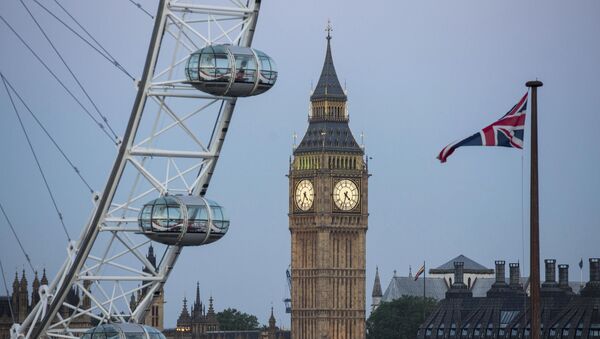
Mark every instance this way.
x=420 y=74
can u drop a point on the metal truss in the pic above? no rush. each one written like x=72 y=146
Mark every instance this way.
x=171 y=145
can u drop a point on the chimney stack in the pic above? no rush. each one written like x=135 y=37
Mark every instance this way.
x=592 y=288
x=458 y=273
x=550 y=270
x=594 y=269
x=563 y=277
x=500 y=277
x=515 y=275
x=458 y=288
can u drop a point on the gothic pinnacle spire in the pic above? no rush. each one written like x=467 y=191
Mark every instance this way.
x=377 y=285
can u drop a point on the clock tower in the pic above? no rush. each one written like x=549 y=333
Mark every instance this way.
x=328 y=215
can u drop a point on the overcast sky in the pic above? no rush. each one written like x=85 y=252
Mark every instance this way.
x=419 y=74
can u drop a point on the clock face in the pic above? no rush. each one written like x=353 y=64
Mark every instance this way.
x=346 y=195
x=305 y=195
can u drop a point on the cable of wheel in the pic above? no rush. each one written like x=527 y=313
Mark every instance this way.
x=37 y=161
x=60 y=150
x=16 y=237
x=99 y=124
x=85 y=92
x=12 y=315
x=107 y=56
x=138 y=5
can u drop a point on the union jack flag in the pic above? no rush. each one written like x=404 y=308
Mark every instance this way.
x=419 y=272
x=506 y=132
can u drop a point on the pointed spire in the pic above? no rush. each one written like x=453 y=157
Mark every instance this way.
x=328 y=86
x=36 y=281
x=23 y=281
x=198 y=302
x=272 y=319
x=151 y=257
x=132 y=302
x=44 y=280
x=16 y=282
x=377 y=285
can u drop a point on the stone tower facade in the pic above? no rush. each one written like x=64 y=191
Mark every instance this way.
x=328 y=216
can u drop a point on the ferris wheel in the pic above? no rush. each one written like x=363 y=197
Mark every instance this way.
x=199 y=62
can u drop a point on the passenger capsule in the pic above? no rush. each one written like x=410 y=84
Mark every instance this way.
x=228 y=70
x=183 y=220
x=123 y=331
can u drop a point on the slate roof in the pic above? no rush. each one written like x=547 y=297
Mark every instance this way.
x=471 y=266
x=328 y=86
x=328 y=136
x=434 y=288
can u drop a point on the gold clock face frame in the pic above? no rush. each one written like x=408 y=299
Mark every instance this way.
x=305 y=195
x=346 y=195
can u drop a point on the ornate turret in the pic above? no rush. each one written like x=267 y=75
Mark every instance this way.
x=15 y=295
x=272 y=319
x=23 y=297
x=44 y=280
x=185 y=315
x=211 y=310
x=35 y=295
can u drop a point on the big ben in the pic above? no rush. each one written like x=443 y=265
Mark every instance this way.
x=328 y=217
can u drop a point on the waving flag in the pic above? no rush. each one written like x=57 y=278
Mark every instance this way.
x=506 y=132
x=419 y=272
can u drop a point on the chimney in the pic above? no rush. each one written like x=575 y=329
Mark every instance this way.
x=563 y=277
x=595 y=269
x=515 y=275
x=550 y=286
x=592 y=288
x=458 y=288
x=459 y=273
x=500 y=278
x=550 y=270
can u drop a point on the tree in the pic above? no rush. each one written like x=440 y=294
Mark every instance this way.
x=399 y=318
x=231 y=319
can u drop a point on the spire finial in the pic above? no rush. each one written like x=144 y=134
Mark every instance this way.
x=328 y=29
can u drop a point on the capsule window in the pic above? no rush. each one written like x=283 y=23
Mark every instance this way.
x=245 y=68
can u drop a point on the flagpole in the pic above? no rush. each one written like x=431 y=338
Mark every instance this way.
x=534 y=268
x=424 y=278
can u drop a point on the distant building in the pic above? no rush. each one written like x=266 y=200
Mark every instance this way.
x=20 y=306
x=194 y=324
x=478 y=279
x=504 y=311
x=203 y=324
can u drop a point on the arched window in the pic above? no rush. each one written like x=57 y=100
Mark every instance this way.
x=469 y=283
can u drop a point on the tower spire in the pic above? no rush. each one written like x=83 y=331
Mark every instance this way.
x=328 y=87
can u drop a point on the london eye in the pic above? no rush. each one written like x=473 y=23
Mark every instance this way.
x=199 y=62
